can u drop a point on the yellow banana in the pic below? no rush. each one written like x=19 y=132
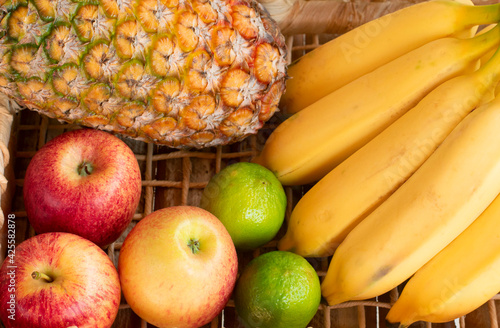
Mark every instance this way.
x=375 y=43
x=444 y=196
x=346 y=195
x=310 y=143
x=463 y=276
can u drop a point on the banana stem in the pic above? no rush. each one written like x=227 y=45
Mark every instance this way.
x=489 y=37
x=489 y=73
x=482 y=14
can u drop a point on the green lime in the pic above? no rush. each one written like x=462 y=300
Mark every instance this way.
x=249 y=200
x=278 y=289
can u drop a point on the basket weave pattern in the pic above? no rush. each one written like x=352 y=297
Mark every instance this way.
x=172 y=177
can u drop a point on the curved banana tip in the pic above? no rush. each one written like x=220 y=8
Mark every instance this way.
x=398 y=318
x=286 y=243
x=257 y=159
x=389 y=324
x=332 y=298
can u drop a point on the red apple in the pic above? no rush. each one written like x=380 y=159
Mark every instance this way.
x=178 y=267
x=85 y=182
x=58 y=280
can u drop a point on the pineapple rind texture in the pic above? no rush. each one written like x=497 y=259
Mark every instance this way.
x=180 y=73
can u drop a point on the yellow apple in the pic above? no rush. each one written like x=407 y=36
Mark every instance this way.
x=178 y=267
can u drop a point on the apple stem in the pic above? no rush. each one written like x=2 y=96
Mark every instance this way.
x=40 y=275
x=194 y=244
x=85 y=169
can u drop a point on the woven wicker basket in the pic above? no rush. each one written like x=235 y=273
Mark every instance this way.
x=172 y=177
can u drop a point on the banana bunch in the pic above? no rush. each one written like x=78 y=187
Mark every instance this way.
x=404 y=159
x=334 y=127
x=456 y=183
x=352 y=190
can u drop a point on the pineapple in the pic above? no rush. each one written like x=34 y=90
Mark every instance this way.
x=181 y=73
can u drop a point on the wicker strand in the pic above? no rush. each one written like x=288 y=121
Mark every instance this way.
x=361 y=316
x=218 y=159
x=111 y=252
x=43 y=132
x=462 y=321
x=350 y=304
x=172 y=184
x=493 y=313
x=149 y=199
x=186 y=176
x=289 y=47
x=194 y=154
x=394 y=295
x=327 y=317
